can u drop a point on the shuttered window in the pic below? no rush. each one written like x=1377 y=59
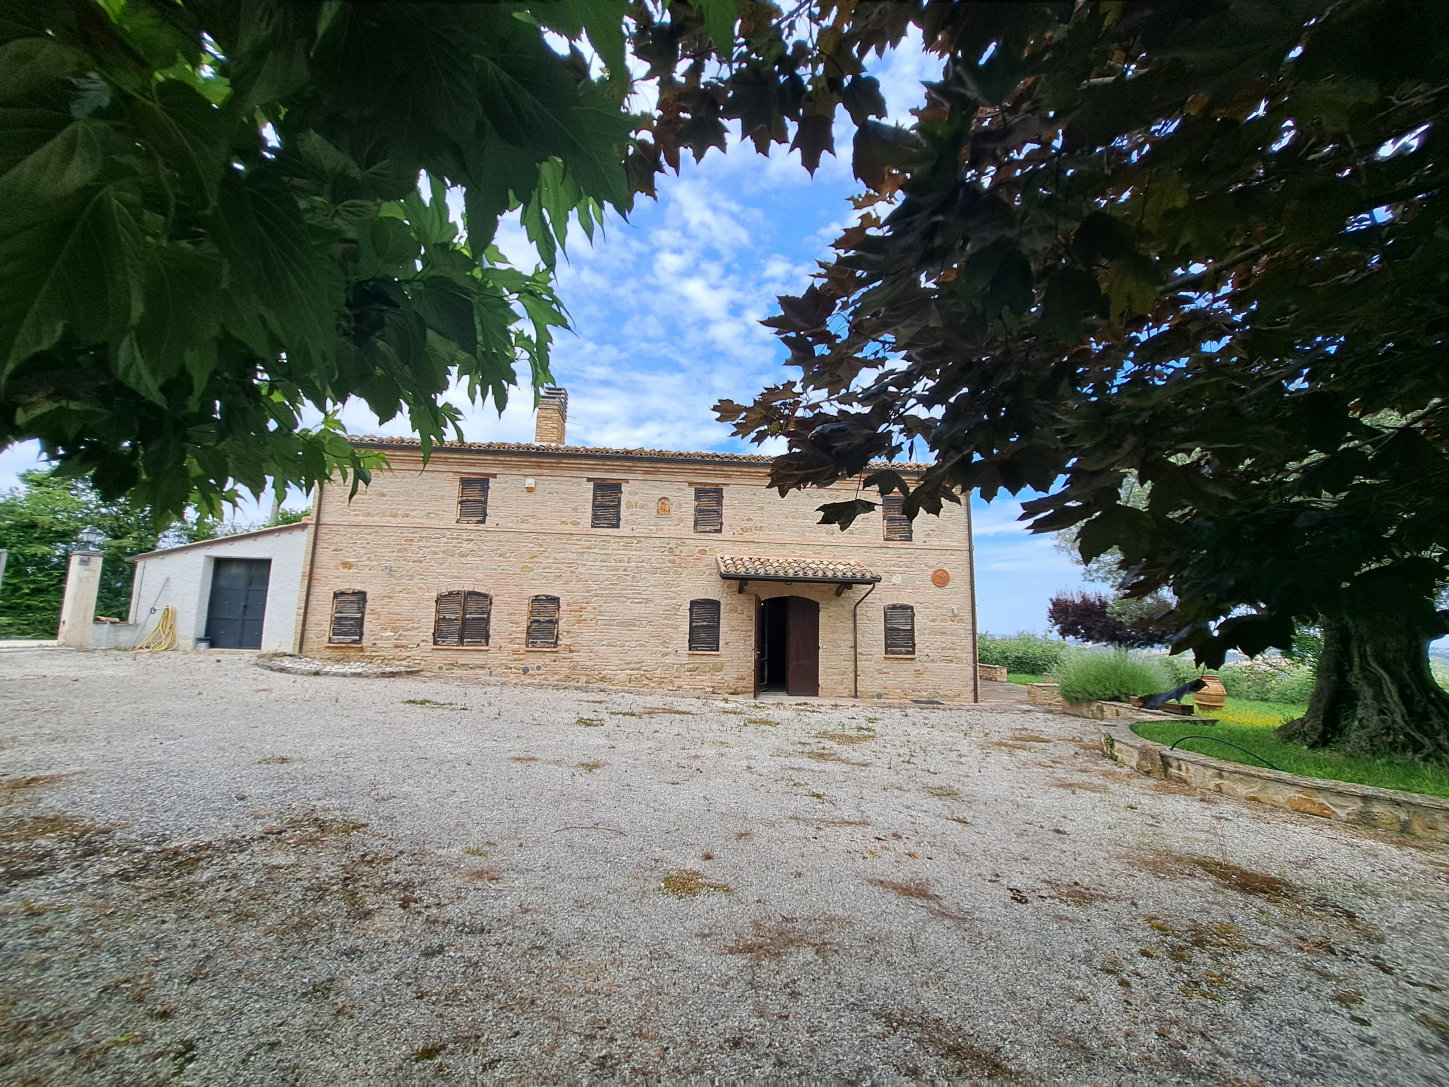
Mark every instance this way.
x=462 y=618
x=349 y=606
x=608 y=497
x=542 y=622
x=900 y=630
x=894 y=523
x=704 y=626
x=709 y=509
x=473 y=500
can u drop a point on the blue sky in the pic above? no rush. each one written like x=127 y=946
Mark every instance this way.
x=666 y=310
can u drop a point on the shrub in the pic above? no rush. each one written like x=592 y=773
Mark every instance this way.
x=1294 y=684
x=1268 y=679
x=1096 y=674
x=1026 y=653
x=1179 y=669
x=1248 y=679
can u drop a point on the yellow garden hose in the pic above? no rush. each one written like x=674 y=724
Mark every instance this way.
x=163 y=636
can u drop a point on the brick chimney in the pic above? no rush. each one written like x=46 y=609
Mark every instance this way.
x=553 y=413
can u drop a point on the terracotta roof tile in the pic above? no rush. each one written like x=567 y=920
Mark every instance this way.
x=748 y=567
x=599 y=451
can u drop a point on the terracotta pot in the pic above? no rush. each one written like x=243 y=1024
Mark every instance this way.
x=1211 y=697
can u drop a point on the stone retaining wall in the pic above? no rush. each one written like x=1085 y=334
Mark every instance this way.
x=1382 y=809
x=993 y=672
x=1043 y=694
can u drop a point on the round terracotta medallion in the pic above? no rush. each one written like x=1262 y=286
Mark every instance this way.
x=940 y=578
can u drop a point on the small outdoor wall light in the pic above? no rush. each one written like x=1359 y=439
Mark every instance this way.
x=528 y=485
x=89 y=541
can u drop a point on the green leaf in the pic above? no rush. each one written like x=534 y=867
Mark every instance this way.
x=32 y=64
x=533 y=102
x=133 y=369
x=604 y=22
x=71 y=161
x=388 y=249
x=190 y=134
x=180 y=314
x=275 y=266
x=448 y=309
x=719 y=20
x=79 y=269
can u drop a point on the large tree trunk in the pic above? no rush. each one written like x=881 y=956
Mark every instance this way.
x=1375 y=694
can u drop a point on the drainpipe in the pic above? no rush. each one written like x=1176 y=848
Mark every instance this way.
x=971 y=577
x=855 y=640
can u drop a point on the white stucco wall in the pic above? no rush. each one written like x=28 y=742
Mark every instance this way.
x=181 y=577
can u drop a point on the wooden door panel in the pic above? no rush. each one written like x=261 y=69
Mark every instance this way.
x=802 y=651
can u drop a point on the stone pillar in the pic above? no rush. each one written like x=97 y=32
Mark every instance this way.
x=78 y=609
x=553 y=413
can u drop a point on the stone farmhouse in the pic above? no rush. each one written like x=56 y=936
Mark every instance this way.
x=635 y=568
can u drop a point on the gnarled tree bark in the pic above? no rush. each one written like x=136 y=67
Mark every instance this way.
x=1375 y=694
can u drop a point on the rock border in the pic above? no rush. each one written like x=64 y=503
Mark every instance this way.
x=1345 y=801
x=294 y=665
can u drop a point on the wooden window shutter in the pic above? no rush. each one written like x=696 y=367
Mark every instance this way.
x=543 y=622
x=704 y=626
x=894 y=523
x=473 y=500
x=477 y=613
x=709 y=509
x=448 y=619
x=349 y=607
x=900 y=630
x=608 y=497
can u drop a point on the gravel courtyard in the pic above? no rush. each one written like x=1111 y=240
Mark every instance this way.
x=217 y=874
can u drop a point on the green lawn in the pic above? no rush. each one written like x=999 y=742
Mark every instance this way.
x=1022 y=677
x=1251 y=725
x=1242 y=711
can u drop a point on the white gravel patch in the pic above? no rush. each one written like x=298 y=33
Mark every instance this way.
x=215 y=874
x=308 y=666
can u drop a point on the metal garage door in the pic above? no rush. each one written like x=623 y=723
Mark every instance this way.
x=238 y=603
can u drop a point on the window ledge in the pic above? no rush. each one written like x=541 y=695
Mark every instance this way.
x=541 y=649
x=345 y=645
x=703 y=653
x=463 y=648
x=899 y=656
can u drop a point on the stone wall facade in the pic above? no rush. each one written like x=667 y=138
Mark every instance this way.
x=625 y=592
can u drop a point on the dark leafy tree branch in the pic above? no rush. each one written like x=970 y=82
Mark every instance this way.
x=1201 y=243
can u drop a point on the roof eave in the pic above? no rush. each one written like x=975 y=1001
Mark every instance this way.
x=797 y=577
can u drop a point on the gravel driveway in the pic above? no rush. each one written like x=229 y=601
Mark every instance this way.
x=216 y=874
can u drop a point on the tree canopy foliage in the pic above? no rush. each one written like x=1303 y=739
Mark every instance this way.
x=211 y=222
x=1203 y=242
x=213 y=226
x=39 y=523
